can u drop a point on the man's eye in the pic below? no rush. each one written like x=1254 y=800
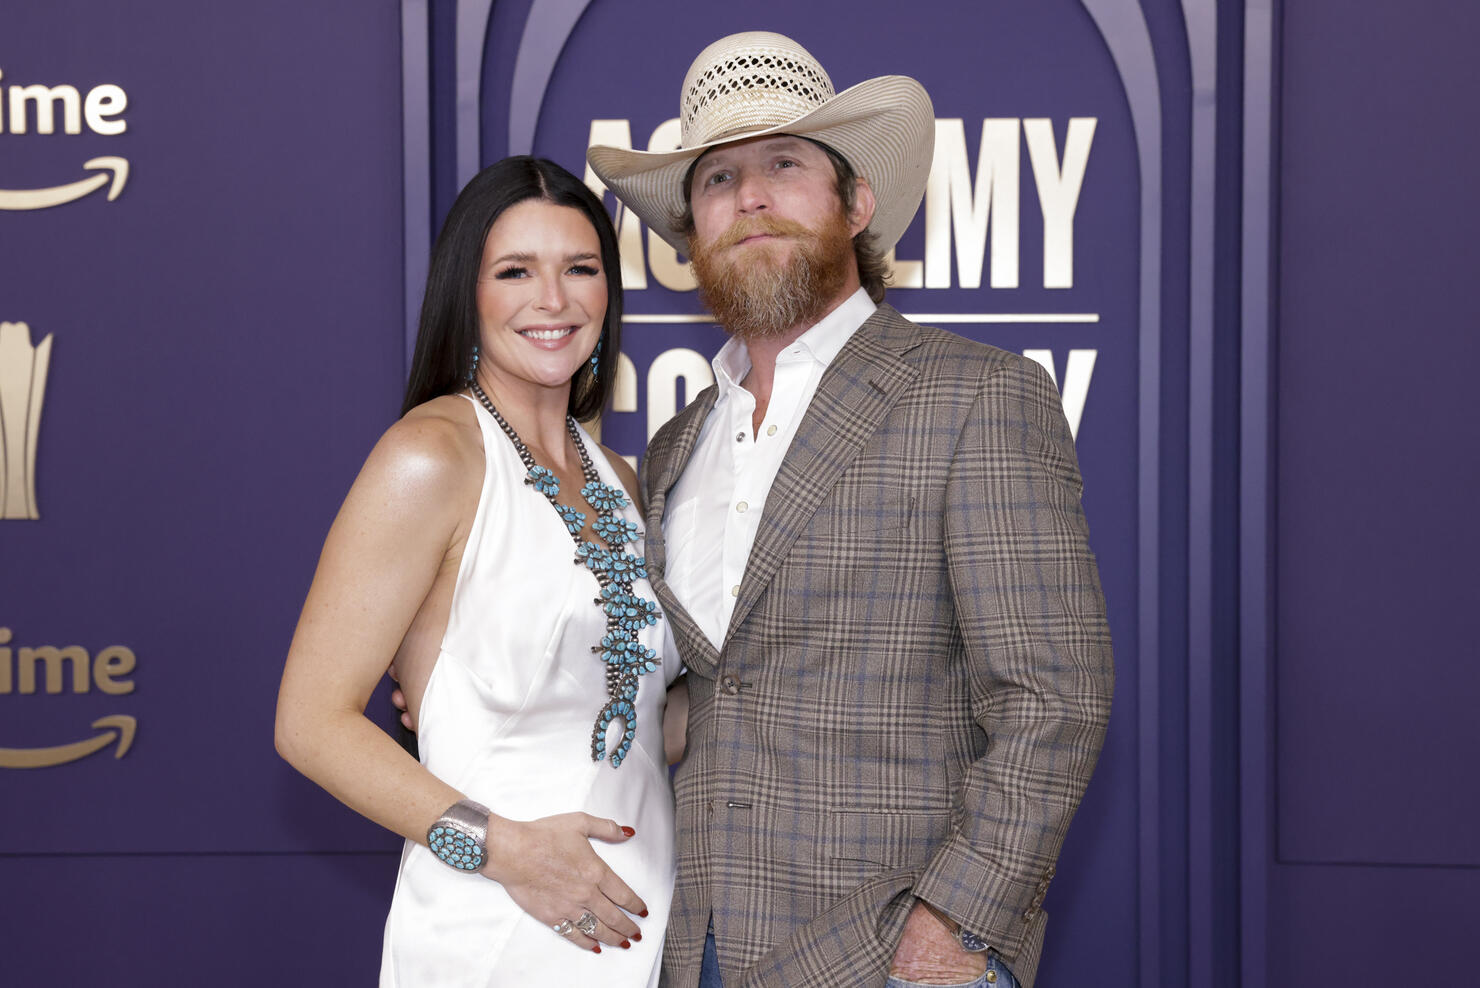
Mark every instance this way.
x=786 y=163
x=717 y=177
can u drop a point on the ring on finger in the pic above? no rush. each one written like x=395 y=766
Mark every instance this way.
x=564 y=928
x=587 y=923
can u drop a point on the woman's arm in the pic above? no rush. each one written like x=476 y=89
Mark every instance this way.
x=393 y=535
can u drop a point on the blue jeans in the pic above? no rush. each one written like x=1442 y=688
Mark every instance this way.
x=709 y=970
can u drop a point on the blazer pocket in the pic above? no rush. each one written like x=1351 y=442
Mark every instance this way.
x=894 y=839
x=854 y=514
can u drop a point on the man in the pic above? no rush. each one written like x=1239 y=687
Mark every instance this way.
x=868 y=540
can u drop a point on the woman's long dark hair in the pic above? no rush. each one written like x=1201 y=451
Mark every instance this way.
x=448 y=328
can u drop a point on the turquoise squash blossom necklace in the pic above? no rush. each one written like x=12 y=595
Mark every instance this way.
x=615 y=569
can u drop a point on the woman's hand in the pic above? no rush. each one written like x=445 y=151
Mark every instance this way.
x=398 y=700
x=550 y=870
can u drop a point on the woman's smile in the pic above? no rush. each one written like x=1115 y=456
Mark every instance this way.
x=550 y=337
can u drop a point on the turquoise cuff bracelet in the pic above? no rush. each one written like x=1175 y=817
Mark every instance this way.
x=459 y=838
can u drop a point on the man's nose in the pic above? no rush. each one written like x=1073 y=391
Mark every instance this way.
x=752 y=193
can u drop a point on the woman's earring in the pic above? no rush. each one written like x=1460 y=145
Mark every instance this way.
x=596 y=358
x=473 y=368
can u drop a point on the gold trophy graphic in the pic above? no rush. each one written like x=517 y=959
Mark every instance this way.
x=22 y=389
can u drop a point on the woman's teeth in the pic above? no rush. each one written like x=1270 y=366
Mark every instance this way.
x=546 y=335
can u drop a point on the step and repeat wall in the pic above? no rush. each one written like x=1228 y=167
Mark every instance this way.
x=209 y=217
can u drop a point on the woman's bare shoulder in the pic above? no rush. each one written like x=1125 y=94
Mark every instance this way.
x=432 y=451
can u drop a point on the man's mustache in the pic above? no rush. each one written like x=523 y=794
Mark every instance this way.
x=772 y=226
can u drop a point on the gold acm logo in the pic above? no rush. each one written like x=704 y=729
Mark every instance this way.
x=23 y=368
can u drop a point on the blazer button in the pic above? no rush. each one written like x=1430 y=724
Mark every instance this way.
x=730 y=684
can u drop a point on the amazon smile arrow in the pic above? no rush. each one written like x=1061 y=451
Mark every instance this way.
x=59 y=194
x=120 y=726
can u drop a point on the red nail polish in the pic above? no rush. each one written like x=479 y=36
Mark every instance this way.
x=643 y=914
x=629 y=831
x=626 y=945
x=596 y=949
x=637 y=936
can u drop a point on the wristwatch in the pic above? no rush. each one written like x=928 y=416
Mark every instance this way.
x=970 y=942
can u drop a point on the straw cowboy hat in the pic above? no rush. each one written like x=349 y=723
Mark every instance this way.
x=758 y=83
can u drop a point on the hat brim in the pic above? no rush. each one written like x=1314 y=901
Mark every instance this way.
x=884 y=128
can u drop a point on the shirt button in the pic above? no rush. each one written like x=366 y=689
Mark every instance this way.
x=739 y=437
x=770 y=430
x=741 y=507
x=735 y=590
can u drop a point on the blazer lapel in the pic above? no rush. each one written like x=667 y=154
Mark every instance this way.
x=856 y=391
x=663 y=465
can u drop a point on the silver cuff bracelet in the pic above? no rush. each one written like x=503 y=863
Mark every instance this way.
x=460 y=835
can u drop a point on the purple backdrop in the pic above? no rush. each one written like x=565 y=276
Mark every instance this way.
x=229 y=347
x=1375 y=450
x=226 y=348
x=228 y=340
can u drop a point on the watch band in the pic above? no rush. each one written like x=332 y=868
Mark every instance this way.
x=970 y=942
x=459 y=838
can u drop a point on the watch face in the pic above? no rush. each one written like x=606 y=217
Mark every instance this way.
x=972 y=943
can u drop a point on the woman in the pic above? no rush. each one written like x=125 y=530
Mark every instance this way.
x=539 y=822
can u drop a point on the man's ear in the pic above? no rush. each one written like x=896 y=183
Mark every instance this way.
x=863 y=207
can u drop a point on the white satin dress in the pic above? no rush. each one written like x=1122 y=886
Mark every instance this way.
x=506 y=719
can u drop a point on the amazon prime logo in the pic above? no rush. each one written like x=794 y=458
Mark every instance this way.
x=44 y=669
x=22 y=389
x=24 y=108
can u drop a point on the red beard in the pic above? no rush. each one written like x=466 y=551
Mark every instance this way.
x=753 y=293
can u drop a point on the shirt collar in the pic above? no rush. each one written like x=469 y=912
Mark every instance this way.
x=821 y=343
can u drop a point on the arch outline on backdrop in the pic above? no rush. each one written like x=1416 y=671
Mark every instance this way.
x=1256 y=485
x=1200 y=20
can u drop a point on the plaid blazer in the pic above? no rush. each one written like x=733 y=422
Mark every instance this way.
x=914 y=686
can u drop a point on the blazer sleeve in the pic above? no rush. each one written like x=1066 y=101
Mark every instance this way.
x=1032 y=619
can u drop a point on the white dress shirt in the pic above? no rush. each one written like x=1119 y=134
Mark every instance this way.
x=715 y=509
